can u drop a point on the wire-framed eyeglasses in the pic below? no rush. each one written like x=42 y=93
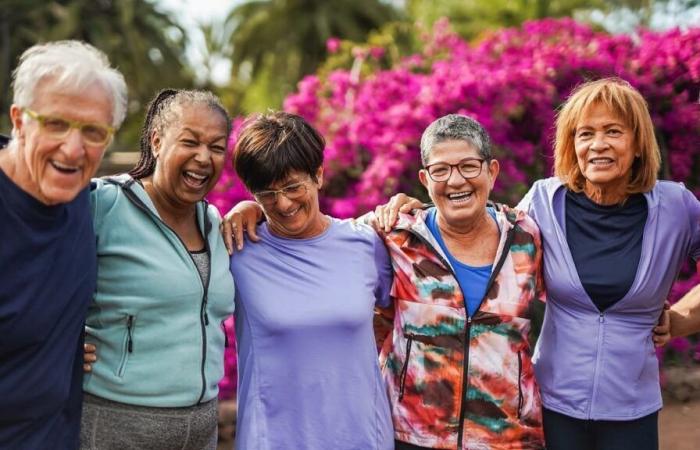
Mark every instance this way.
x=293 y=191
x=58 y=128
x=468 y=168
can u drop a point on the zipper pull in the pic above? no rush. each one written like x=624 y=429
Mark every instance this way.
x=601 y=319
x=206 y=318
x=223 y=325
x=129 y=341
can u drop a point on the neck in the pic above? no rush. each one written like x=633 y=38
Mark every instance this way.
x=607 y=195
x=466 y=232
x=170 y=211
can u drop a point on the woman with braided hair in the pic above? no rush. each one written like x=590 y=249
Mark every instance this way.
x=163 y=287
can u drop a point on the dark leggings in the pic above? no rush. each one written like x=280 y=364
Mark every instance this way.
x=562 y=432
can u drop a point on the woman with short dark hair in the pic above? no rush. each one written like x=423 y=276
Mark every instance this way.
x=308 y=371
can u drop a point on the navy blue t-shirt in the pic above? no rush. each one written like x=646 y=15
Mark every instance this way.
x=48 y=271
x=606 y=244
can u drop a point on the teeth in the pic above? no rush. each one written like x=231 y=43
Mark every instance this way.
x=600 y=160
x=196 y=176
x=459 y=196
x=290 y=214
x=64 y=167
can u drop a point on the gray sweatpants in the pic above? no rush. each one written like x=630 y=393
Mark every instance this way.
x=108 y=425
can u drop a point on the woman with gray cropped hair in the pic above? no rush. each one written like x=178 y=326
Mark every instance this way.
x=68 y=102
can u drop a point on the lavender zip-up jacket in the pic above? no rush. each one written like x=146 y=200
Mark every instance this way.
x=602 y=366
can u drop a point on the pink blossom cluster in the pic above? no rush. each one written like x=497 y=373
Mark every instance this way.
x=512 y=82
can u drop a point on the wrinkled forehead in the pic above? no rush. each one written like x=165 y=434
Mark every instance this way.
x=597 y=108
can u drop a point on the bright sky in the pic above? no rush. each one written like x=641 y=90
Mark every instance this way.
x=191 y=12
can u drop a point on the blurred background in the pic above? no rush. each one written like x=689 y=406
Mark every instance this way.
x=372 y=74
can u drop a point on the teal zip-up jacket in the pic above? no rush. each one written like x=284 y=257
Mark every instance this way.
x=158 y=329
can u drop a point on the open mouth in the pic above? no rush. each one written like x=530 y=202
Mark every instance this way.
x=290 y=214
x=600 y=161
x=194 y=179
x=64 y=168
x=460 y=197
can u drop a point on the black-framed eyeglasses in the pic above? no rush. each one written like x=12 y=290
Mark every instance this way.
x=468 y=168
x=293 y=191
x=58 y=128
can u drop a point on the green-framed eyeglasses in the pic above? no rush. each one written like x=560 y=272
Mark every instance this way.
x=58 y=128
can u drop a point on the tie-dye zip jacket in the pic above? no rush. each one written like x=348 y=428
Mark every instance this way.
x=459 y=382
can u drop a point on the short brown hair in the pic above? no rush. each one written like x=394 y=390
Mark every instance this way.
x=271 y=146
x=626 y=102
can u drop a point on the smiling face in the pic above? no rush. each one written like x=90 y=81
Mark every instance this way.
x=605 y=150
x=189 y=155
x=459 y=201
x=55 y=170
x=300 y=218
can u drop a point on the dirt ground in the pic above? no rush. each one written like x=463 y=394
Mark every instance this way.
x=679 y=426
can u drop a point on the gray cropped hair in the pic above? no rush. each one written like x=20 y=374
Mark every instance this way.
x=455 y=127
x=72 y=65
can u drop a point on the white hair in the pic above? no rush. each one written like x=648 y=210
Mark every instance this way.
x=71 y=65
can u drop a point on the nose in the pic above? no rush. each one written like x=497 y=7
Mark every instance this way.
x=202 y=154
x=73 y=145
x=283 y=203
x=599 y=142
x=456 y=178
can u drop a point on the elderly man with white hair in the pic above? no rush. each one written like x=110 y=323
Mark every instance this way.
x=67 y=104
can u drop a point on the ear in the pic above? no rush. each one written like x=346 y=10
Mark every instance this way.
x=494 y=169
x=16 y=117
x=156 y=142
x=423 y=177
x=319 y=177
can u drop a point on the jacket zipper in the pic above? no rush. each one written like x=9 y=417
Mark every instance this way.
x=409 y=342
x=203 y=316
x=467 y=327
x=520 y=387
x=128 y=347
x=467 y=332
x=223 y=325
x=594 y=388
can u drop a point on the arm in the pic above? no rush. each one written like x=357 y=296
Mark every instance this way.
x=685 y=314
x=243 y=217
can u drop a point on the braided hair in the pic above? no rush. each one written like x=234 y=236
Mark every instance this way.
x=161 y=113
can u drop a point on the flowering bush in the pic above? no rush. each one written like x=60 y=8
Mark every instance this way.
x=511 y=81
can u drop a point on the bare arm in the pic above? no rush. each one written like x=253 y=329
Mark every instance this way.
x=685 y=314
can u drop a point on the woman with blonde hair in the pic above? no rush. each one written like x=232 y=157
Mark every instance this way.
x=614 y=241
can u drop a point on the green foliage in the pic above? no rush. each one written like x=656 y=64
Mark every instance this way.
x=276 y=42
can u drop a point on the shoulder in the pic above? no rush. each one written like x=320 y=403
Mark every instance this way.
x=354 y=228
x=102 y=192
x=520 y=219
x=213 y=215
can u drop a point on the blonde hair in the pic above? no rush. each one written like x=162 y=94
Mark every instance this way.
x=627 y=103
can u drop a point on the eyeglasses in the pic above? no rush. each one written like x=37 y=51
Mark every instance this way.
x=468 y=168
x=292 y=192
x=58 y=128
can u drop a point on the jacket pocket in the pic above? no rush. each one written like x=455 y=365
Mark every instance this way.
x=127 y=345
x=404 y=369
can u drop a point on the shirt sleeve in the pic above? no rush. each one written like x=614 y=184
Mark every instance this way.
x=526 y=201
x=693 y=207
x=384 y=273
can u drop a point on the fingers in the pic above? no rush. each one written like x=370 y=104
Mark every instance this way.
x=227 y=233
x=662 y=331
x=378 y=219
x=89 y=357
x=251 y=227
x=396 y=202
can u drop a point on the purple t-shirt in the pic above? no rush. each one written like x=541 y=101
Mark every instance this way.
x=308 y=369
